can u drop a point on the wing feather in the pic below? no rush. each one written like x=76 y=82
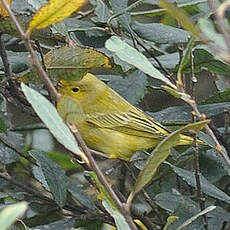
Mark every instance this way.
x=132 y=122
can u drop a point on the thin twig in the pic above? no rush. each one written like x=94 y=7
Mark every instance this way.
x=148 y=200
x=7 y=67
x=181 y=78
x=222 y=151
x=200 y=195
x=41 y=54
x=154 y=57
x=193 y=79
x=84 y=14
x=101 y=177
x=3 y=140
x=220 y=137
x=123 y=11
x=34 y=60
x=28 y=189
x=226 y=121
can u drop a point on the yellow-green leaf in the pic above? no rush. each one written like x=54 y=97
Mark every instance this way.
x=180 y=16
x=69 y=63
x=3 y=12
x=72 y=63
x=103 y=193
x=54 y=11
x=159 y=155
x=170 y=220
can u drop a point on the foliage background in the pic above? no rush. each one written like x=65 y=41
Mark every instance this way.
x=58 y=196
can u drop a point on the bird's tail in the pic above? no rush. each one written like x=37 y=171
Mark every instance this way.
x=186 y=140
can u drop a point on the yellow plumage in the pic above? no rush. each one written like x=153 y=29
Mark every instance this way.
x=106 y=121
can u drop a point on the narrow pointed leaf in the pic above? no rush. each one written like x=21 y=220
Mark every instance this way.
x=130 y=55
x=160 y=153
x=180 y=16
x=48 y=114
x=190 y=220
x=52 y=175
x=119 y=219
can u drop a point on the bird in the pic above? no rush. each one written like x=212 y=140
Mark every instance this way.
x=106 y=121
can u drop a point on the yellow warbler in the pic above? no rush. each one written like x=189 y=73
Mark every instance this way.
x=106 y=121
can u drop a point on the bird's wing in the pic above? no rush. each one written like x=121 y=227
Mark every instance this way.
x=132 y=123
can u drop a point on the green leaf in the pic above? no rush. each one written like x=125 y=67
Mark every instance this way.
x=135 y=58
x=72 y=63
x=160 y=33
x=39 y=175
x=124 y=19
x=132 y=87
x=191 y=219
x=3 y=127
x=184 y=61
x=203 y=59
x=119 y=219
x=8 y=155
x=207 y=188
x=180 y=16
x=209 y=160
x=54 y=176
x=63 y=224
x=170 y=220
x=11 y=213
x=80 y=195
x=90 y=28
x=5 y=120
x=102 y=12
x=48 y=114
x=159 y=155
x=181 y=206
x=10 y=144
x=103 y=193
x=63 y=160
x=69 y=63
x=170 y=201
x=218 y=97
x=18 y=61
x=182 y=114
x=185 y=4
x=169 y=61
x=37 y=3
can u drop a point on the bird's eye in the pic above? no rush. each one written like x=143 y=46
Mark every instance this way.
x=75 y=89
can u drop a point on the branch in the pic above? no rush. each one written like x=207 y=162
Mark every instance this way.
x=7 y=67
x=101 y=177
x=218 y=147
x=34 y=60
